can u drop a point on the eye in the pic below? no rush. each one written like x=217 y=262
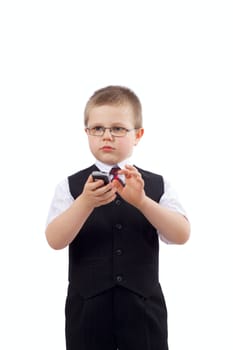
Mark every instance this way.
x=118 y=129
x=98 y=128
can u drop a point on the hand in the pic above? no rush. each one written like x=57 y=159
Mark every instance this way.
x=95 y=194
x=133 y=191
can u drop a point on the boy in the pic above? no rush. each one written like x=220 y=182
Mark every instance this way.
x=114 y=297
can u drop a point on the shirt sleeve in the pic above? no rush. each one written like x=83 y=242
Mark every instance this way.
x=170 y=201
x=61 y=201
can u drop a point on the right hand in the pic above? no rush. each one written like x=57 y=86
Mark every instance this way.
x=95 y=194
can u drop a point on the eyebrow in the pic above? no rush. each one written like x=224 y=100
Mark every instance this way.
x=110 y=126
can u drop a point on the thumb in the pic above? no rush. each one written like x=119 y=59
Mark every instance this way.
x=90 y=179
x=119 y=187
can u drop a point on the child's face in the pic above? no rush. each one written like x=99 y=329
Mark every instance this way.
x=107 y=148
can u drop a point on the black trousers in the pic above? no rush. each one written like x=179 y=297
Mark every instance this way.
x=116 y=319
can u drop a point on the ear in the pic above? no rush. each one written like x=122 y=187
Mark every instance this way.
x=138 y=135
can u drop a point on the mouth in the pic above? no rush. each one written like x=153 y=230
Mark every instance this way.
x=107 y=148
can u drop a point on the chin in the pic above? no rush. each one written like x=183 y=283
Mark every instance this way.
x=108 y=160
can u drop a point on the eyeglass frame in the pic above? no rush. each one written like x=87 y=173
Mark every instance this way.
x=110 y=130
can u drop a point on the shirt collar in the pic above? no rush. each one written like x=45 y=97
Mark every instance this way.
x=106 y=167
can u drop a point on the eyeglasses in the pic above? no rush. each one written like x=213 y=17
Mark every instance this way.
x=116 y=131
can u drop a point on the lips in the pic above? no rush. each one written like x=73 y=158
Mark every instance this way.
x=107 y=148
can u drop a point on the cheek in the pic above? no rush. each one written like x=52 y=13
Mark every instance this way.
x=127 y=145
x=92 y=144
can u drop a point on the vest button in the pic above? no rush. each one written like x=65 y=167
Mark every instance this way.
x=119 y=252
x=119 y=279
x=118 y=202
x=118 y=226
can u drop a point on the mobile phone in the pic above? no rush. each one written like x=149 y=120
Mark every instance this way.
x=100 y=175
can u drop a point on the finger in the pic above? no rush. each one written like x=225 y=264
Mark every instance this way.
x=125 y=172
x=93 y=183
x=96 y=184
x=130 y=167
x=130 y=173
x=90 y=179
x=118 y=185
x=107 y=197
x=106 y=201
x=103 y=190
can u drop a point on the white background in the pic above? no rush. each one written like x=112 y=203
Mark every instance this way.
x=177 y=56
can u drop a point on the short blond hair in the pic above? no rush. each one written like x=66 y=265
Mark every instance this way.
x=115 y=95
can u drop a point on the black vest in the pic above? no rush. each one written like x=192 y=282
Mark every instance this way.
x=117 y=245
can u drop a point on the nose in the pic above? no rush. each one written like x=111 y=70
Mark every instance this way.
x=107 y=135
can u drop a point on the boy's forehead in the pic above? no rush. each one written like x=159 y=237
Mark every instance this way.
x=123 y=111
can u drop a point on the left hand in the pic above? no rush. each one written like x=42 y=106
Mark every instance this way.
x=133 y=191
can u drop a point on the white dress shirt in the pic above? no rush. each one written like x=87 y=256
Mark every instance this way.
x=63 y=199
